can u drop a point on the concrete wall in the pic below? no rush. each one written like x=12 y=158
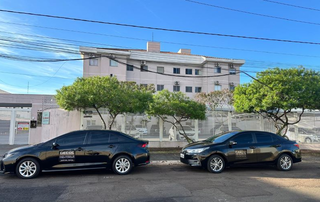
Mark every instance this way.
x=61 y=122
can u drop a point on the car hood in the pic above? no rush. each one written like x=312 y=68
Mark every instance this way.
x=18 y=149
x=199 y=144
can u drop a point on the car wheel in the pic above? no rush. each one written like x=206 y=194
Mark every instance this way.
x=122 y=165
x=28 y=168
x=215 y=164
x=308 y=140
x=284 y=162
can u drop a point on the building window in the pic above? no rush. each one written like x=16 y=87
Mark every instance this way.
x=197 y=89
x=144 y=68
x=197 y=72
x=129 y=67
x=113 y=63
x=188 y=71
x=93 y=62
x=176 y=88
x=160 y=70
x=217 y=69
x=188 y=89
x=232 y=71
x=217 y=87
x=160 y=87
x=231 y=87
x=176 y=70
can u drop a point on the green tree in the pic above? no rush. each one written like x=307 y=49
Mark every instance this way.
x=275 y=93
x=178 y=106
x=104 y=92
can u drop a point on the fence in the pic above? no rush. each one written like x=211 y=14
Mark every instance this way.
x=154 y=129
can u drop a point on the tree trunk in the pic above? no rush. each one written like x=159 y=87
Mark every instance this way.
x=103 y=121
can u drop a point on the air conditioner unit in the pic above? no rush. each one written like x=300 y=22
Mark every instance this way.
x=177 y=83
x=216 y=83
x=231 y=84
x=144 y=62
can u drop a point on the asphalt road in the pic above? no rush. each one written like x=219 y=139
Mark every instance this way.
x=169 y=183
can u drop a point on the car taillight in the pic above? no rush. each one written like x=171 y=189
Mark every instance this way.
x=297 y=145
x=144 y=145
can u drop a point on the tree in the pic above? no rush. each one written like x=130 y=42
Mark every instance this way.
x=104 y=92
x=216 y=100
x=178 y=106
x=276 y=92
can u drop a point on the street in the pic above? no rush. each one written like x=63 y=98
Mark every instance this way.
x=170 y=183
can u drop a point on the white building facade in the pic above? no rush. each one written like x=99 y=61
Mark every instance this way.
x=179 y=71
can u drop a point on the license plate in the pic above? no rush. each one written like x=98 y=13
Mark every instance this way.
x=181 y=155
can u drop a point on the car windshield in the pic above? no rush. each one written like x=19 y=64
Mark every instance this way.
x=220 y=137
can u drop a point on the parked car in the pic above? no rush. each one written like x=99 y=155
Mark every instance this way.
x=142 y=129
x=190 y=132
x=77 y=150
x=245 y=147
x=154 y=130
x=132 y=131
x=224 y=128
x=304 y=135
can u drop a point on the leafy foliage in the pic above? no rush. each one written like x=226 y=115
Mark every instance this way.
x=216 y=99
x=178 y=106
x=105 y=92
x=276 y=92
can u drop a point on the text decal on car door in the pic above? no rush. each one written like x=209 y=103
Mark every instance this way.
x=66 y=156
x=241 y=154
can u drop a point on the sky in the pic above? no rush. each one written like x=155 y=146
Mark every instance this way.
x=25 y=37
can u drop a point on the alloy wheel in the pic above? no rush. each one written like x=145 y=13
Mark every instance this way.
x=27 y=169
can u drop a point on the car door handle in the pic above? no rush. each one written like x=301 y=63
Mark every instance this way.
x=252 y=147
x=93 y=153
x=111 y=146
x=278 y=145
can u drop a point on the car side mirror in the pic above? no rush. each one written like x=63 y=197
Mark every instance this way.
x=54 y=145
x=232 y=143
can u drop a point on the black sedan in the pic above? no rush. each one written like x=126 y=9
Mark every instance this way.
x=244 y=147
x=78 y=150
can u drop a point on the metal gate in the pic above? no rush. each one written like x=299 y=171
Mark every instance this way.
x=15 y=125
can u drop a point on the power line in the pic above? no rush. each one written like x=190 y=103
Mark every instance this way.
x=286 y=4
x=252 y=13
x=30 y=59
x=162 y=29
x=141 y=39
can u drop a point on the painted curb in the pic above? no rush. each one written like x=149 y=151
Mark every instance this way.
x=166 y=162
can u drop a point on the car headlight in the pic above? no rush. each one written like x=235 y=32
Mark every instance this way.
x=8 y=155
x=196 y=151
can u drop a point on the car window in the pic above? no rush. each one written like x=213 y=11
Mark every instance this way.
x=76 y=138
x=220 y=137
x=99 y=137
x=115 y=137
x=243 y=138
x=263 y=138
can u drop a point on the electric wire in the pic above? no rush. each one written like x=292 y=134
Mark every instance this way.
x=292 y=5
x=252 y=13
x=162 y=29
x=166 y=42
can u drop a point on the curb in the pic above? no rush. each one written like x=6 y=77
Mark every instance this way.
x=165 y=162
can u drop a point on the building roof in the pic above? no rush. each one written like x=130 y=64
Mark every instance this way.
x=162 y=56
x=3 y=92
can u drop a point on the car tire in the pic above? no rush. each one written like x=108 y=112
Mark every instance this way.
x=308 y=140
x=284 y=162
x=28 y=168
x=122 y=165
x=216 y=164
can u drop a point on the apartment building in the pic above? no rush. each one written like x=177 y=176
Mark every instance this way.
x=175 y=71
